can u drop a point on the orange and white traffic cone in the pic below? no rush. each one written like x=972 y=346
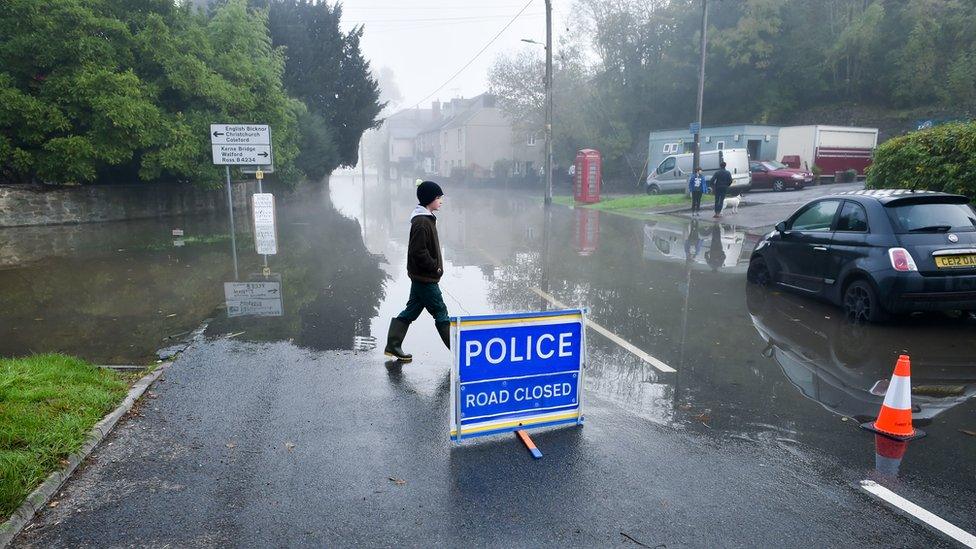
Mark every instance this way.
x=895 y=418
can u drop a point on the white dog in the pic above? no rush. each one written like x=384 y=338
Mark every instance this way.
x=732 y=203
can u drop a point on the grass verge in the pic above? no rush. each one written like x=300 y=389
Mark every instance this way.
x=634 y=202
x=48 y=404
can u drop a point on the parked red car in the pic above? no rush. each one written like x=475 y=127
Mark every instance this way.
x=770 y=174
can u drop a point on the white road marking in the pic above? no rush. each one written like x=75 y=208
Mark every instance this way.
x=660 y=366
x=929 y=519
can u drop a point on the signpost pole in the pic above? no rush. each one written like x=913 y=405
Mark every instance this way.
x=230 y=216
x=548 y=199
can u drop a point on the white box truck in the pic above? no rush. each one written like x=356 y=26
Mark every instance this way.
x=831 y=148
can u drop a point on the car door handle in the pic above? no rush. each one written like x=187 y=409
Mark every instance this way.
x=820 y=248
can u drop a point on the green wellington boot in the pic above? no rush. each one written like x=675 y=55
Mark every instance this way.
x=444 y=329
x=398 y=331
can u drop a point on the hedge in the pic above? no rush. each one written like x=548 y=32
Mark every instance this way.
x=942 y=158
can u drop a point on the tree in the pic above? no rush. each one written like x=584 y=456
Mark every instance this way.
x=120 y=89
x=325 y=68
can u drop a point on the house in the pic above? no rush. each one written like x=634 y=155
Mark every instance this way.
x=400 y=132
x=760 y=141
x=474 y=139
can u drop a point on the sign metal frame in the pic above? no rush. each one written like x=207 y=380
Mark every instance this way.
x=516 y=419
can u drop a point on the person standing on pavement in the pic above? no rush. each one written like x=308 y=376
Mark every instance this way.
x=425 y=265
x=721 y=181
x=697 y=186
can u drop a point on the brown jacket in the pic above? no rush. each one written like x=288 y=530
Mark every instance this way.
x=424 y=260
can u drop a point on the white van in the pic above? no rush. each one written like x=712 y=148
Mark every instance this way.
x=673 y=172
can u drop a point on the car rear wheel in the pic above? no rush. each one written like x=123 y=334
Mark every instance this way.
x=758 y=273
x=779 y=185
x=653 y=189
x=861 y=303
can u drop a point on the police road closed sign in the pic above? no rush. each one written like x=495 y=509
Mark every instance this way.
x=516 y=371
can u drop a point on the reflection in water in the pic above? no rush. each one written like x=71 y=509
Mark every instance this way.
x=717 y=246
x=325 y=289
x=587 y=231
x=112 y=293
x=256 y=298
x=846 y=367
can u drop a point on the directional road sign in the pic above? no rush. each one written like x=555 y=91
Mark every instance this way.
x=240 y=134
x=516 y=371
x=231 y=155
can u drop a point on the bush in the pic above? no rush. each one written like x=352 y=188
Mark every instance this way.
x=942 y=158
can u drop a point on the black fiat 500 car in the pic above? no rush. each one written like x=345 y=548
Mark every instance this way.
x=876 y=253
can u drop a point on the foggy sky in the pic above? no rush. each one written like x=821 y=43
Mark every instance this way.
x=425 y=41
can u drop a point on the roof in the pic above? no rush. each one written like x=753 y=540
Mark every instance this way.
x=706 y=129
x=888 y=196
x=465 y=112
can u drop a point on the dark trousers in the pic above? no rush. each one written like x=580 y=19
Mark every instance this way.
x=424 y=295
x=696 y=201
x=719 y=199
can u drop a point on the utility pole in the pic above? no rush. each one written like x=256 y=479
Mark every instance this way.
x=548 y=199
x=362 y=170
x=701 y=86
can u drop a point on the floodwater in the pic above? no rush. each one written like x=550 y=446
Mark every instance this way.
x=761 y=365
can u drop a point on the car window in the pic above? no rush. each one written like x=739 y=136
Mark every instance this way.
x=666 y=166
x=933 y=217
x=755 y=167
x=852 y=218
x=817 y=217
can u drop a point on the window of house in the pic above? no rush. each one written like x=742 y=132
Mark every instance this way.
x=720 y=145
x=459 y=140
x=667 y=148
x=516 y=168
x=531 y=141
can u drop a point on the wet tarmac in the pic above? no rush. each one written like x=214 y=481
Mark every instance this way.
x=769 y=389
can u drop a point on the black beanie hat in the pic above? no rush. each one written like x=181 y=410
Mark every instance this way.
x=428 y=191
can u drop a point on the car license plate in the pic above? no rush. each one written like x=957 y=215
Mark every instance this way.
x=955 y=261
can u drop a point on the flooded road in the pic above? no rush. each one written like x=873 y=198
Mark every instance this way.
x=774 y=371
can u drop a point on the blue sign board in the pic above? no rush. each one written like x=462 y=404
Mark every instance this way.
x=694 y=128
x=516 y=371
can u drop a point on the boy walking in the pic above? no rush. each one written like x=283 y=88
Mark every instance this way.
x=697 y=186
x=425 y=265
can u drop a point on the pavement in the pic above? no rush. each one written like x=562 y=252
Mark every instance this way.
x=271 y=445
x=294 y=431
x=761 y=209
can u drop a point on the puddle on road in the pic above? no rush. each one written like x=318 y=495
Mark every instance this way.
x=766 y=367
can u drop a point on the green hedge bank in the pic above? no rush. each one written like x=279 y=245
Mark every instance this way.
x=942 y=158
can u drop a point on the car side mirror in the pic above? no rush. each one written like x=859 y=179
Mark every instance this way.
x=781 y=227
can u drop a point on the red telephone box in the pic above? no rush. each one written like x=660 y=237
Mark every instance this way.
x=588 y=176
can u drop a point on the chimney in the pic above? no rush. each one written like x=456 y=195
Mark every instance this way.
x=435 y=110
